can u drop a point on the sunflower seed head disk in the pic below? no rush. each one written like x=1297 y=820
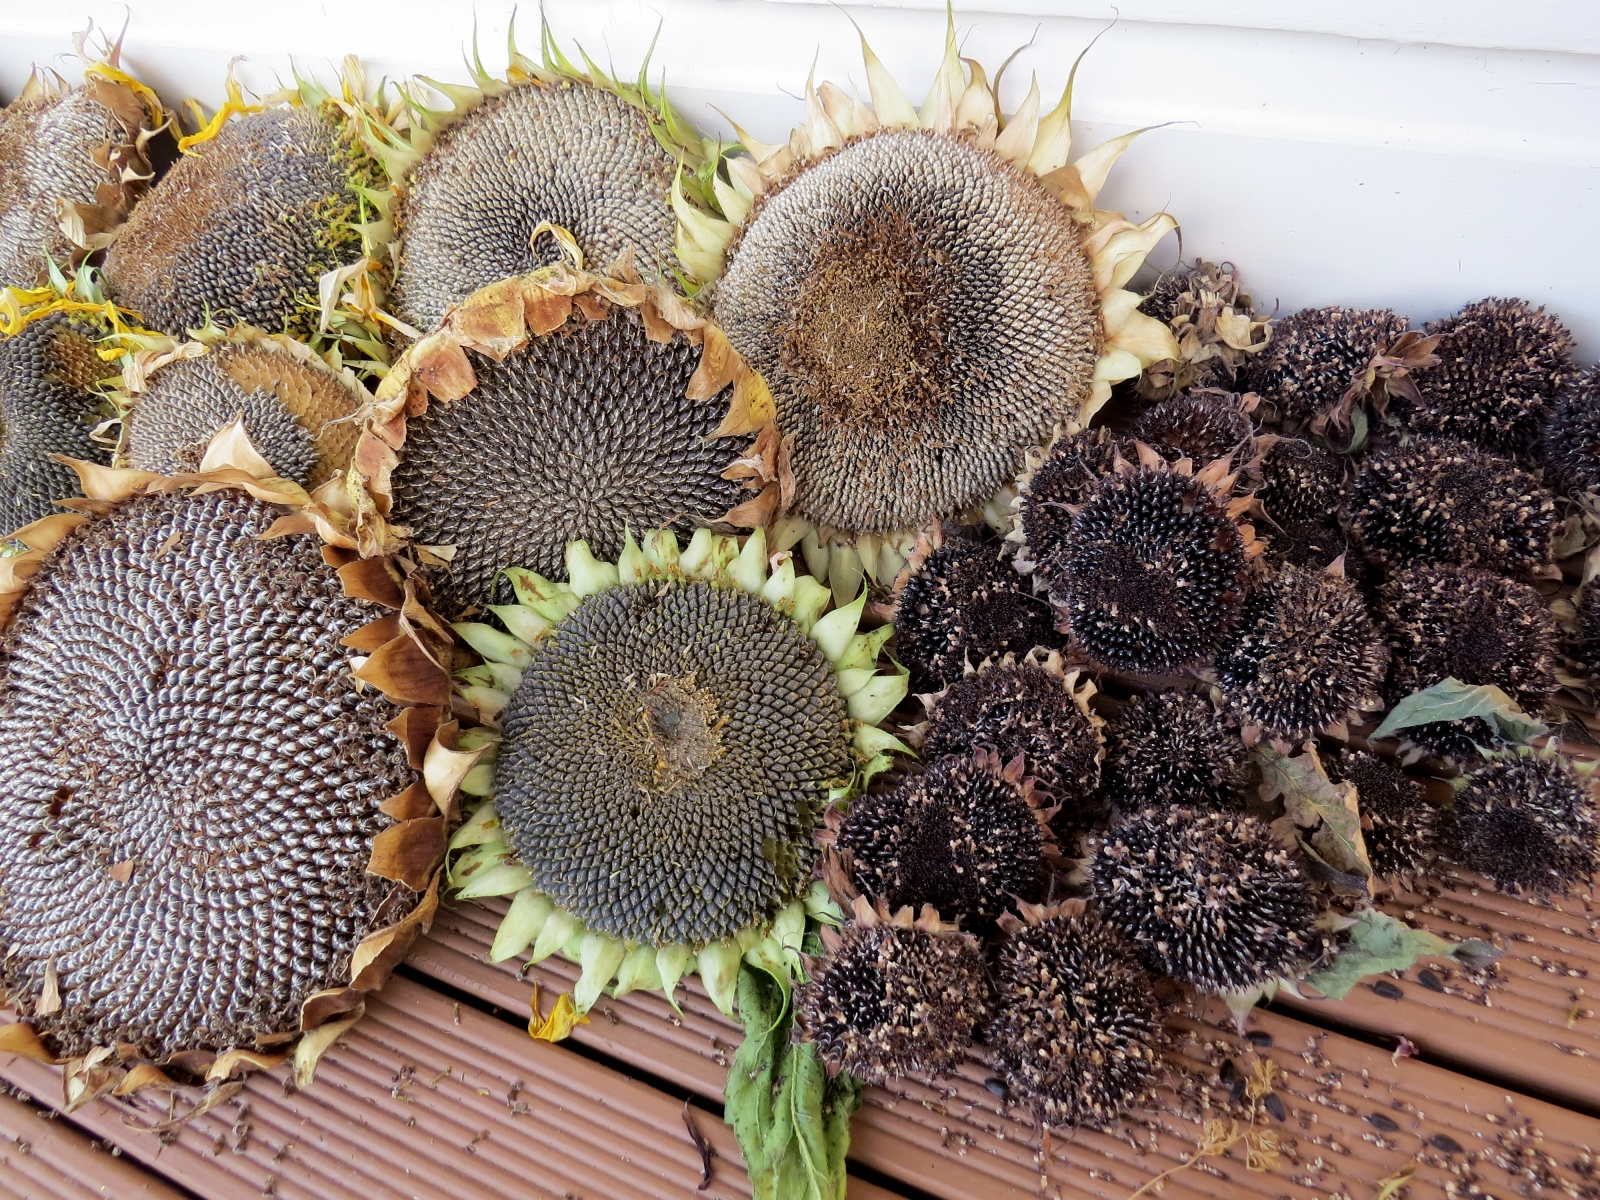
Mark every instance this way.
x=892 y=998
x=1299 y=480
x=571 y=154
x=1153 y=573
x=1017 y=708
x=46 y=408
x=1528 y=823
x=1572 y=438
x=1315 y=356
x=1173 y=748
x=1062 y=482
x=1306 y=655
x=1210 y=899
x=1501 y=365
x=583 y=433
x=1203 y=426
x=191 y=784
x=887 y=293
x=1078 y=1029
x=1399 y=826
x=1449 y=502
x=961 y=837
x=966 y=604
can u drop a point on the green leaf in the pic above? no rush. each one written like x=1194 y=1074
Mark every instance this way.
x=1313 y=801
x=1452 y=700
x=791 y=1120
x=1379 y=943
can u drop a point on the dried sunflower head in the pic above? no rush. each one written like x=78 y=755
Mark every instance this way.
x=1153 y=573
x=1174 y=748
x=1501 y=365
x=1572 y=438
x=597 y=406
x=1316 y=355
x=1210 y=899
x=964 y=836
x=920 y=294
x=1449 y=502
x=967 y=603
x=1299 y=480
x=1306 y=655
x=1398 y=825
x=1062 y=482
x=214 y=834
x=297 y=411
x=549 y=145
x=894 y=997
x=1028 y=707
x=1528 y=822
x=71 y=159
x=1215 y=323
x=1202 y=425
x=1077 y=1027
x=1306 y=542
x=685 y=699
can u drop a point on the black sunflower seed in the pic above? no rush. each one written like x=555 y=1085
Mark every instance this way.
x=1443 y=1141
x=1430 y=981
x=1388 y=990
x=1274 y=1105
x=1259 y=1038
x=1379 y=1121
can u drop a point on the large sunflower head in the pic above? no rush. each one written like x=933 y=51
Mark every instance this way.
x=929 y=294
x=550 y=144
x=73 y=161
x=219 y=831
x=671 y=729
x=562 y=405
x=276 y=215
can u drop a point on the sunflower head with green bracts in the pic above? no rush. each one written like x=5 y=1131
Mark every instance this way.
x=665 y=734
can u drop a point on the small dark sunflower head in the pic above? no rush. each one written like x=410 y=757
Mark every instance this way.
x=1174 y=748
x=968 y=603
x=1153 y=572
x=1312 y=542
x=1210 y=899
x=1399 y=826
x=963 y=836
x=1200 y=425
x=1528 y=823
x=1023 y=708
x=1077 y=1029
x=892 y=997
x=1449 y=502
x=1063 y=481
x=1501 y=365
x=1314 y=357
x=1584 y=643
x=1572 y=438
x=1305 y=655
x=1299 y=480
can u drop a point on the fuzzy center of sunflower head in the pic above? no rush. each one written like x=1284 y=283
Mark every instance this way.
x=871 y=329
x=1479 y=650
x=683 y=728
x=1132 y=590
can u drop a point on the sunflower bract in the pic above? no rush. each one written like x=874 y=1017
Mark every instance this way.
x=1528 y=823
x=924 y=314
x=570 y=154
x=665 y=759
x=46 y=408
x=580 y=434
x=190 y=782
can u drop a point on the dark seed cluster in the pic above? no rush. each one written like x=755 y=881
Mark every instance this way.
x=189 y=782
x=1020 y=708
x=46 y=408
x=1198 y=425
x=241 y=230
x=1315 y=355
x=1572 y=438
x=1449 y=502
x=1528 y=823
x=1063 y=481
x=289 y=409
x=665 y=761
x=1077 y=1028
x=1501 y=365
x=892 y=1001
x=1174 y=748
x=960 y=837
x=1299 y=480
x=580 y=434
x=569 y=153
x=924 y=314
x=966 y=604
x=1152 y=575
x=1307 y=542
x=47 y=153
x=1210 y=899
x=1399 y=826
x=1306 y=655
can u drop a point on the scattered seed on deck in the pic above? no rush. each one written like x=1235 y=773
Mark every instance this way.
x=1388 y=990
x=1379 y=1121
x=1259 y=1038
x=1443 y=1141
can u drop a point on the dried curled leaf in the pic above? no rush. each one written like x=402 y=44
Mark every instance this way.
x=1379 y=943
x=1331 y=811
x=1452 y=700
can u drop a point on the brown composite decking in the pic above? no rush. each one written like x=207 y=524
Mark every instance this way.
x=438 y=1092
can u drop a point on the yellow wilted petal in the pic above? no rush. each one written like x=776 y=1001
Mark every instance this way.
x=821 y=131
x=1095 y=165
x=1124 y=252
x=563 y=1018
x=841 y=110
x=702 y=239
x=889 y=102
x=312 y=1046
x=939 y=108
x=1146 y=338
x=1115 y=365
x=1115 y=307
x=1016 y=139
x=733 y=199
x=976 y=108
